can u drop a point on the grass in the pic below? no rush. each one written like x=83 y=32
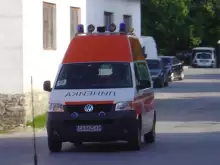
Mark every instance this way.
x=40 y=121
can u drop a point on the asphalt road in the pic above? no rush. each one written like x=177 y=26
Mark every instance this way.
x=188 y=132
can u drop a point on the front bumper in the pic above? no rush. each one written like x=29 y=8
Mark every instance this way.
x=115 y=126
x=199 y=65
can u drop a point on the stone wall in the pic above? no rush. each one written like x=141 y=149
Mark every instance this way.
x=16 y=110
x=12 y=111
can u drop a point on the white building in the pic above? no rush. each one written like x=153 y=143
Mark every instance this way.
x=34 y=35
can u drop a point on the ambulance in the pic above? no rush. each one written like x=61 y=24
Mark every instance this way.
x=102 y=92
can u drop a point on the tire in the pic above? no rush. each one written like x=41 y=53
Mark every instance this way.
x=78 y=144
x=172 y=77
x=150 y=137
x=160 y=84
x=135 y=141
x=54 y=146
x=166 y=84
x=181 y=76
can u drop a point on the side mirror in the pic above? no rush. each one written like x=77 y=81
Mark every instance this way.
x=47 y=86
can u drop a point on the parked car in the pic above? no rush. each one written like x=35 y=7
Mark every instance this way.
x=204 y=60
x=174 y=67
x=158 y=73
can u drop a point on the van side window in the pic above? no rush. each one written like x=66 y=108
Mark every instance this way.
x=142 y=75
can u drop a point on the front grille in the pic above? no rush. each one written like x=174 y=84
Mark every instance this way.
x=97 y=108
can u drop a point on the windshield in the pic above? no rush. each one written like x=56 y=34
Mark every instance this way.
x=94 y=75
x=153 y=64
x=195 y=51
x=166 y=61
x=203 y=56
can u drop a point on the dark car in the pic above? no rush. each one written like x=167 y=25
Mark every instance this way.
x=174 y=67
x=158 y=73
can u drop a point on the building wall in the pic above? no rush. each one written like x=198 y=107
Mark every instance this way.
x=11 y=46
x=96 y=9
x=11 y=62
x=39 y=63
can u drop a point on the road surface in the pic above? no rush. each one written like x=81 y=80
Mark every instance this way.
x=188 y=132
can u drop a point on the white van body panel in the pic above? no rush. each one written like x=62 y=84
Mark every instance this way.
x=150 y=47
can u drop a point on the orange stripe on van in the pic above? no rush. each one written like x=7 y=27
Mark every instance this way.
x=88 y=102
x=97 y=48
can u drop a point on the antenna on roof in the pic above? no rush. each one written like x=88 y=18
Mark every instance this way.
x=34 y=132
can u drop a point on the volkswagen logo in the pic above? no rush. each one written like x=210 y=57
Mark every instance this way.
x=88 y=108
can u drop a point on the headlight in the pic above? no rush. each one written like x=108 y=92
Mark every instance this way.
x=121 y=106
x=53 y=107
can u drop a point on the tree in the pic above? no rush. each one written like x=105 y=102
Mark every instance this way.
x=181 y=24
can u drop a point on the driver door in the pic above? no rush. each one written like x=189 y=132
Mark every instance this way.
x=144 y=98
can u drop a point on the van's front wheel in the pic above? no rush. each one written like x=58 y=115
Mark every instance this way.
x=150 y=137
x=54 y=146
x=134 y=141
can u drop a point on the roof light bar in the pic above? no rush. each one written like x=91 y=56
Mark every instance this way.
x=91 y=28
x=80 y=28
x=122 y=28
x=112 y=27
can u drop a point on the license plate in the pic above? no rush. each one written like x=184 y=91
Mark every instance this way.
x=89 y=128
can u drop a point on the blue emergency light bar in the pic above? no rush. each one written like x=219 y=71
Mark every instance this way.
x=122 y=28
x=102 y=29
x=80 y=28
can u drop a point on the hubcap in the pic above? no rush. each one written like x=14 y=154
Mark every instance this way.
x=182 y=75
x=172 y=76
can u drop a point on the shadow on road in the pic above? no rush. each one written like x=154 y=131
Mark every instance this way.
x=203 y=76
x=188 y=109
x=191 y=87
x=167 y=145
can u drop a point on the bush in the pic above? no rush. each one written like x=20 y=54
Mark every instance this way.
x=40 y=121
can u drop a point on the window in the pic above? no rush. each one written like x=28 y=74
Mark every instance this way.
x=75 y=19
x=49 y=26
x=204 y=56
x=128 y=22
x=154 y=64
x=95 y=75
x=166 y=61
x=142 y=75
x=108 y=18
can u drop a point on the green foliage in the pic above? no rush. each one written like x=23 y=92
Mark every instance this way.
x=40 y=121
x=181 y=24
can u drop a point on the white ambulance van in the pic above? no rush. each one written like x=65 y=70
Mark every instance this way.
x=102 y=91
